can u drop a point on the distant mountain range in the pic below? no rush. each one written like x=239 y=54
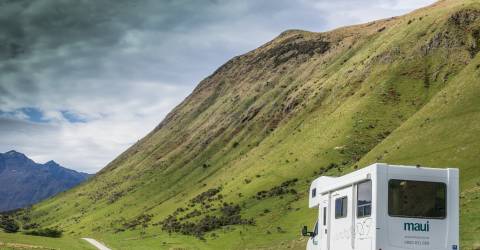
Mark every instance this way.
x=24 y=182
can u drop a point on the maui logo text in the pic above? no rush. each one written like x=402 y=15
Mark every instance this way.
x=416 y=227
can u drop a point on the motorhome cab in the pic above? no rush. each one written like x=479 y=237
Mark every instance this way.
x=386 y=207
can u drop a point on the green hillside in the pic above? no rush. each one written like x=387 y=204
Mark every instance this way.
x=229 y=168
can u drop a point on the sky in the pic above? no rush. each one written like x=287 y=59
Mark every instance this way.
x=81 y=81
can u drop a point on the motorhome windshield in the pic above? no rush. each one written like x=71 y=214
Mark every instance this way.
x=417 y=199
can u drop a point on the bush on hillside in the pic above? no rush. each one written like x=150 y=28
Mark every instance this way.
x=230 y=215
x=8 y=224
x=205 y=195
x=29 y=226
x=46 y=232
x=283 y=189
x=142 y=219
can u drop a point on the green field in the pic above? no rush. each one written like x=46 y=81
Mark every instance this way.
x=21 y=241
x=404 y=90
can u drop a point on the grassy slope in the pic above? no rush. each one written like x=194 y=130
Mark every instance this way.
x=452 y=116
x=20 y=241
x=402 y=90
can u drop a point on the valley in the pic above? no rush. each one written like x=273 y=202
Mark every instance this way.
x=230 y=167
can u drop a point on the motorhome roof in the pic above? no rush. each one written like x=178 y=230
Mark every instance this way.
x=324 y=185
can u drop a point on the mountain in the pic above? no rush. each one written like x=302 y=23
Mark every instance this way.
x=229 y=168
x=24 y=182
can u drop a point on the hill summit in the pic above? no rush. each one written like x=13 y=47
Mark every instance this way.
x=229 y=167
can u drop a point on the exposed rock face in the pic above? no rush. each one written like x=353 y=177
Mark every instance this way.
x=294 y=48
x=24 y=182
x=465 y=17
x=463 y=32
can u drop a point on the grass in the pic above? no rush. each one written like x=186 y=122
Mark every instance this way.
x=454 y=114
x=21 y=241
x=394 y=90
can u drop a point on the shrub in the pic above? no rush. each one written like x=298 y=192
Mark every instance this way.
x=282 y=189
x=230 y=215
x=46 y=232
x=205 y=195
x=142 y=219
x=8 y=224
x=192 y=214
x=115 y=196
x=29 y=226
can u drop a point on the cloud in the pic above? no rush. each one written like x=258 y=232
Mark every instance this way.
x=347 y=12
x=83 y=80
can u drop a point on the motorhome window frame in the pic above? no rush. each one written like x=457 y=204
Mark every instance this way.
x=364 y=205
x=418 y=217
x=346 y=204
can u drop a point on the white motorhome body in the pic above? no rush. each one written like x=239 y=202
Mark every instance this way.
x=386 y=207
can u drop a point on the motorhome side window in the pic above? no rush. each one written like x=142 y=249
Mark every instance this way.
x=341 y=207
x=364 y=199
x=417 y=199
x=325 y=216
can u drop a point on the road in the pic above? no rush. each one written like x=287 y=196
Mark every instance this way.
x=97 y=244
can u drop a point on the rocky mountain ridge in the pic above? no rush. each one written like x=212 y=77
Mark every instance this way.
x=24 y=182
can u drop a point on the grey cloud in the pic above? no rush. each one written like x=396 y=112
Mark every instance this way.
x=121 y=65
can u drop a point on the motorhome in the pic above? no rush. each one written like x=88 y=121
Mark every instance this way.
x=386 y=207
